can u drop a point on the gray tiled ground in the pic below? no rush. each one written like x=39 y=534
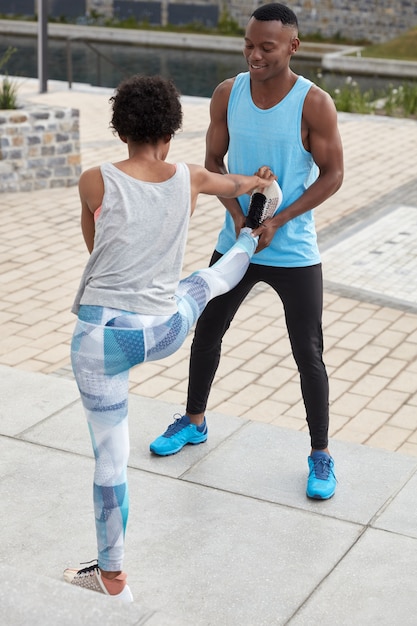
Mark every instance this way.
x=274 y=469
x=220 y=534
x=399 y=517
x=44 y=603
x=375 y=583
x=367 y=335
x=378 y=257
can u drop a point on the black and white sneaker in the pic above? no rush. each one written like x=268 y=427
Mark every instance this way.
x=90 y=578
x=263 y=205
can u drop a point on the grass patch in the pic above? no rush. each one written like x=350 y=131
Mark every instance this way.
x=8 y=88
x=403 y=48
x=392 y=101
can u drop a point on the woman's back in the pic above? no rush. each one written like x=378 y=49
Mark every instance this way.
x=139 y=243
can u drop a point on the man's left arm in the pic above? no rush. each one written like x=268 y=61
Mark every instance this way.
x=320 y=137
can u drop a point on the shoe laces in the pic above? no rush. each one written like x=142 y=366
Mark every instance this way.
x=89 y=570
x=176 y=426
x=322 y=467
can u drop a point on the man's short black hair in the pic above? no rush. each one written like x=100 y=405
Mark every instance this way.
x=276 y=11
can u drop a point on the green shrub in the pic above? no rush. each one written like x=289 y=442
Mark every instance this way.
x=227 y=25
x=351 y=99
x=8 y=88
x=8 y=94
x=392 y=101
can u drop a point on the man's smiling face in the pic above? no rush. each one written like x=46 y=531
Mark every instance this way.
x=268 y=48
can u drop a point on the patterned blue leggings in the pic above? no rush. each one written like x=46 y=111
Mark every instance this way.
x=106 y=343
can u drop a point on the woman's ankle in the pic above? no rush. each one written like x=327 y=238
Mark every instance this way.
x=114 y=582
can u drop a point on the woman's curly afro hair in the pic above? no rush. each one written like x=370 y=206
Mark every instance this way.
x=146 y=109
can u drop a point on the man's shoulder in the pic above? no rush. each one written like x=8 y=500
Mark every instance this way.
x=225 y=86
x=318 y=106
x=221 y=94
x=317 y=95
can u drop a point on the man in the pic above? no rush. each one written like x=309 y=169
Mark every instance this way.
x=271 y=115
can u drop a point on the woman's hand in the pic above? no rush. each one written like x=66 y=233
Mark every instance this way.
x=267 y=176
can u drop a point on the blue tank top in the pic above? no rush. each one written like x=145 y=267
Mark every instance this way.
x=273 y=137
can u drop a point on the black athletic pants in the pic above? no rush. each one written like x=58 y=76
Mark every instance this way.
x=301 y=292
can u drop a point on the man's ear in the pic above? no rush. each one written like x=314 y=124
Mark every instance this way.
x=294 y=45
x=123 y=138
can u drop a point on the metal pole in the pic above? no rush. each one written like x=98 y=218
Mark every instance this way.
x=43 y=45
x=69 y=63
x=98 y=70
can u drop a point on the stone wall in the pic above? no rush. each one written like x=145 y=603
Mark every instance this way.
x=373 y=20
x=39 y=148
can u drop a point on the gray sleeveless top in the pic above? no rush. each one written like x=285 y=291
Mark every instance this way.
x=139 y=243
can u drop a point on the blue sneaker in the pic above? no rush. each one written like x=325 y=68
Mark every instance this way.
x=177 y=435
x=321 y=483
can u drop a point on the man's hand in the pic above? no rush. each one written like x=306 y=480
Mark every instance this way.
x=265 y=232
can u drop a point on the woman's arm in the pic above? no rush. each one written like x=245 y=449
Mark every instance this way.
x=228 y=185
x=91 y=190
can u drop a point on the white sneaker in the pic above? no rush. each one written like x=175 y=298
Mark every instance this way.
x=263 y=204
x=90 y=578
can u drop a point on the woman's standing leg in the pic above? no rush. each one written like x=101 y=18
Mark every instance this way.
x=105 y=401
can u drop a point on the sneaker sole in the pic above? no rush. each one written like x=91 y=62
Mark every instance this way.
x=176 y=450
x=317 y=497
x=264 y=204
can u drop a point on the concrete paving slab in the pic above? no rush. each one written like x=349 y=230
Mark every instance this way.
x=192 y=551
x=400 y=514
x=48 y=498
x=224 y=558
x=213 y=536
x=27 y=599
x=64 y=430
x=51 y=526
x=28 y=398
x=272 y=464
x=154 y=417
x=374 y=584
x=67 y=430
x=385 y=257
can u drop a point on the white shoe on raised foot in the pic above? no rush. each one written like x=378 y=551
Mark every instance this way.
x=90 y=578
x=263 y=204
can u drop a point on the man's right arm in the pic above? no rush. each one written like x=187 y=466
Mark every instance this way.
x=217 y=144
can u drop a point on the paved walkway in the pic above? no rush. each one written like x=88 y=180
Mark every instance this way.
x=218 y=535
x=367 y=231
x=215 y=536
